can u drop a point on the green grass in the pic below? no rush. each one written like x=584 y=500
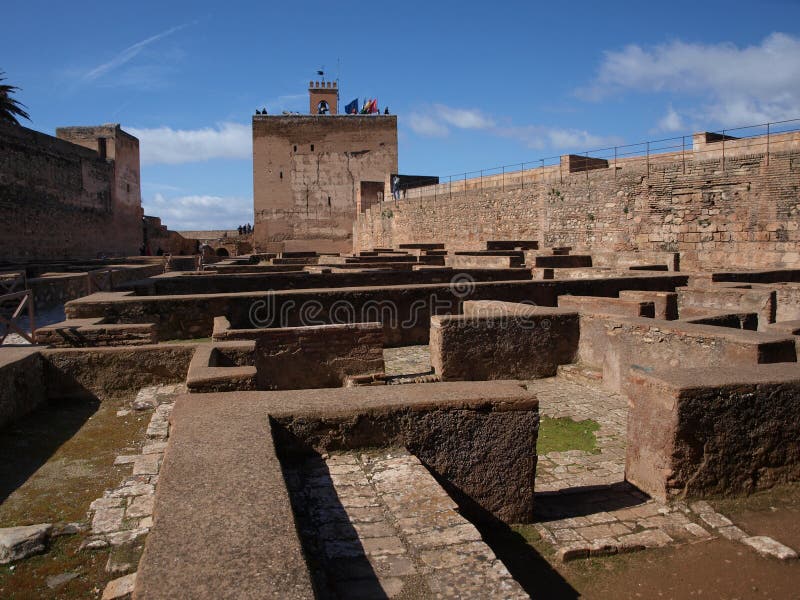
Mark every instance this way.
x=187 y=341
x=559 y=435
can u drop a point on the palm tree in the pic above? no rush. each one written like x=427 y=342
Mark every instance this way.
x=10 y=108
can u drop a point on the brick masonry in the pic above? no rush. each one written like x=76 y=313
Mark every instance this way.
x=736 y=211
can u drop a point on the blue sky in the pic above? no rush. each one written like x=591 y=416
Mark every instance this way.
x=474 y=84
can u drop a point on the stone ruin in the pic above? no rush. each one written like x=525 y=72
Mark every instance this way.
x=339 y=426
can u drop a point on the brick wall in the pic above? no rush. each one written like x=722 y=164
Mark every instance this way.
x=733 y=211
x=62 y=200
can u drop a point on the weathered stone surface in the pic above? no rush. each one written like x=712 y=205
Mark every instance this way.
x=766 y=546
x=17 y=543
x=120 y=588
x=617 y=344
x=503 y=341
x=107 y=519
x=701 y=432
x=22 y=386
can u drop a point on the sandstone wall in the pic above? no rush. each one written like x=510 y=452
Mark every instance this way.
x=307 y=173
x=740 y=210
x=61 y=200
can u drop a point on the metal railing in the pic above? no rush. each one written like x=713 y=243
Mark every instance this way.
x=750 y=139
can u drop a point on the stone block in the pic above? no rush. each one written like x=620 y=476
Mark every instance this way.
x=608 y=306
x=665 y=303
x=518 y=342
x=703 y=432
x=616 y=344
x=17 y=543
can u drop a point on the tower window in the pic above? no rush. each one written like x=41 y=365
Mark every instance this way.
x=281 y=175
x=312 y=147
x=295 y=148
x=329 y=200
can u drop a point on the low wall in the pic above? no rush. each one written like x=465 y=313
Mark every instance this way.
x=250 y=282
x=222 y=367
x=616 y=344
x=761 y=301
x=608 y=306
x=706 y=432
x=665 y=304
x=405 y=311
x=21 y=384
x=113 y=372
x=310 y=357
x=503 y=341
x=54 y=289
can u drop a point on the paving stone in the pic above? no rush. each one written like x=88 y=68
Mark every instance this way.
x=573 y=552
x=608 y=530
x=392 y=565
x=146 y=464
x=154 y=447
x=732 y=532
x=766 y=546
x=17 y=543
x=651 y=538
x=696 y=530
x=119 y=588
x=118 y=538
x=715 y=520
x=140 y=506
x=384 y=545
x=701 y=506
x=101 y=503
x=106 y=520
x=136 y=489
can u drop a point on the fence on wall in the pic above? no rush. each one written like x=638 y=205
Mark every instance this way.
x=776 y=136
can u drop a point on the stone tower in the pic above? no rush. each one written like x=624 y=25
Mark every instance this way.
x=309 y=172
x=323 y=95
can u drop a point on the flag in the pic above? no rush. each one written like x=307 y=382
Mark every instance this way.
x=373 y=108
x=365 y=107
x=352 y=108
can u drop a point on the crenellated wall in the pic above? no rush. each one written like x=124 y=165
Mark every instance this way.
x=740 y=208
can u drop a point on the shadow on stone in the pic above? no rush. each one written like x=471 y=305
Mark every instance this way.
x=580 y=501
x=336 y=559
x=529 y=568
x=29 y=442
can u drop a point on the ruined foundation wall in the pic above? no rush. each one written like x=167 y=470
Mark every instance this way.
x=61 y=200
x=738 y=211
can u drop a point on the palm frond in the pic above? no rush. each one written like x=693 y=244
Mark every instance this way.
x=10 y=108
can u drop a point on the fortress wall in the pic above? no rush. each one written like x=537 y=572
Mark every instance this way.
x=740 y=211
x=61 y=200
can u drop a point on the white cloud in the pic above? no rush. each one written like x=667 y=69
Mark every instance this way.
x=671 y=121
x=744 y=85
x=539 y=137
x=128 y=54
x=427 y=125
x=437 y=120
x=463 y=118
x=200 y=212
x=164 y=145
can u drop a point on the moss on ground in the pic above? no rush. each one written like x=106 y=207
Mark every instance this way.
x=61 y=458
x=560 y=435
